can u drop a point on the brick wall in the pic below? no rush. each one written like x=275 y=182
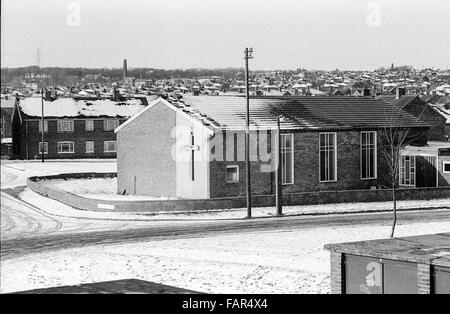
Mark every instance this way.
x=306 y=168
x=229 y=202
x=5 y=122
x=337 y=278
x=145 y=163
x=423 y=278
x=31 y=138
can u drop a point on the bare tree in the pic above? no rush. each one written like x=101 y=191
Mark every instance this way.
x=397 y=134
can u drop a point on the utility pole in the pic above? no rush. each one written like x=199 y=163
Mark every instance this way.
x=42 y=125
x=248 y=55
x=278 y=174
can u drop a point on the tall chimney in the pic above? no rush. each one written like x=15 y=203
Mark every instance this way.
x=125 y=70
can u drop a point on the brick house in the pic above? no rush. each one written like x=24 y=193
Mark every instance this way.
x=417 y=107
x=72 y=129
x=194 y=147
x=7 y=107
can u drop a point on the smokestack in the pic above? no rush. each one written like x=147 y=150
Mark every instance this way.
x=125 y=69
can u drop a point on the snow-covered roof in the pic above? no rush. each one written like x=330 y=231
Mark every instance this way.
x=69 y=107
x=441 y=108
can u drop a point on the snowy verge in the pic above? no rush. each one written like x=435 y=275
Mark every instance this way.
x=57 y=208
x=98 y=188
x=16 y=173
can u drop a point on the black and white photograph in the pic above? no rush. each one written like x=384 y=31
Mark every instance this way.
x=230 y=154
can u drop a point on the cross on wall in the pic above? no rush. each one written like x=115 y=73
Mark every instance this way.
x=193 y=148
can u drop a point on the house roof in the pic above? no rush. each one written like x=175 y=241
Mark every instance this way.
x=405 y=100
x=300 y=113
x=387 y=98
x=443 y=110
x=69 y=107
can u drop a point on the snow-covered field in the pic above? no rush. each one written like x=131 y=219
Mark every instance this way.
x=99 y=188
x=15 y=173
x=291 y=261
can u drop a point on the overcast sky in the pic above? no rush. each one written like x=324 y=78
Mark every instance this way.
x=285 y=34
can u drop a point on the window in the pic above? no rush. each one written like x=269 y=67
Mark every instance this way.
x=65 y=126
x=45 y=148
x=287 y=158
x=45 y=126
x=407 y=171
x=446 y=166
x=65 y=148
x=110 y=146
x=369 y=155
x=110 y=125
x=232 y=174
x=327 y=157
x=89 y=147
x=89 y=125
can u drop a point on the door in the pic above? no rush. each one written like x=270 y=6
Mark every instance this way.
x=425 y=172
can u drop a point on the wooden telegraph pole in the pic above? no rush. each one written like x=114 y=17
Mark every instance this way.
x=248 y=55
x=278 y=174
x=42 y=125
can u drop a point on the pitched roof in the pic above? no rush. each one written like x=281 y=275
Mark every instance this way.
x=403 y=101
x=69 y=107
x=387 y=98
x=443 y=110
x=300 y=113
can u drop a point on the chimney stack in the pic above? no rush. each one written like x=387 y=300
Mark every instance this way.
x=399 y=92
x=125 y=70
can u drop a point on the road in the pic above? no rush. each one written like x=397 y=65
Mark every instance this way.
x=27 y=230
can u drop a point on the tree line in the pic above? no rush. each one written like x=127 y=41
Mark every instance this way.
x=73 y=75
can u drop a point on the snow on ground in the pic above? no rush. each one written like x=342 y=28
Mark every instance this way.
x=57 y=208
x=291 y=261
x=52 y=207
x=99 y=188
x=15 y=173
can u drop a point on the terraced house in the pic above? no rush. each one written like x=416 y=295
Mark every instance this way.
x=194 y=147
x=72 y=129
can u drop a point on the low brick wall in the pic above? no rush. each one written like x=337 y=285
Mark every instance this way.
x=307 y=198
